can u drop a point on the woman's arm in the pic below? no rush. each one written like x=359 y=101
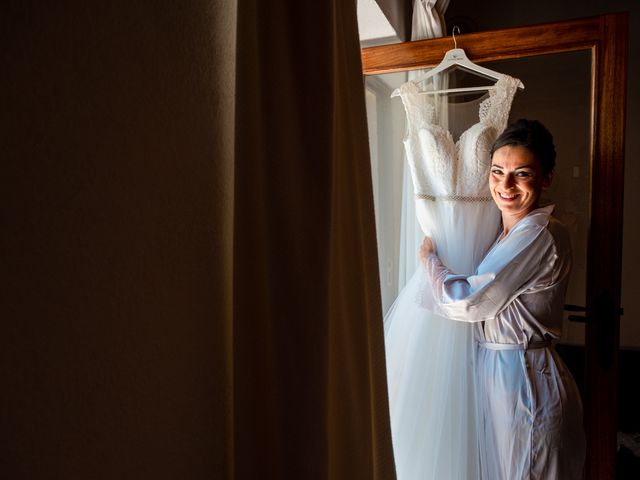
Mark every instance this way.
x=512 y=266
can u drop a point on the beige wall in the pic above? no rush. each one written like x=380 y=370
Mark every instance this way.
x=111 y=239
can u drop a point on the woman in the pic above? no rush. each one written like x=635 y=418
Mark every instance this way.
x=530 y=412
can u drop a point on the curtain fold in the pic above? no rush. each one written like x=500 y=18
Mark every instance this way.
x=222 y=71
x=309 y=379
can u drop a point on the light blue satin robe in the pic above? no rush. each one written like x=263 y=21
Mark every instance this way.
x=529 y=407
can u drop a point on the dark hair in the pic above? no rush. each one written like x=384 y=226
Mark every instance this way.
x=532 y=135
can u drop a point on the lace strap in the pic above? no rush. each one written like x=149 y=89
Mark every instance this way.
x=420 y=111
x=495 y=110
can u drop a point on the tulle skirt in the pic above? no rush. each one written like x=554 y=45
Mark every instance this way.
x=430 y=363
x=430 y=359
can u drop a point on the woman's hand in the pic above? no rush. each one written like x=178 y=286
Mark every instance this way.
x=427 y=248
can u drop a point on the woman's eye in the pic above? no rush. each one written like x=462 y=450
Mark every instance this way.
x=524 y=174
x=496 y=172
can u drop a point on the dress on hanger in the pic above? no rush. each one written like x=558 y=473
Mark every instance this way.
x=429 y=358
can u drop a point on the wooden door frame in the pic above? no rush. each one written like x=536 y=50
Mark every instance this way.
x=606 y=37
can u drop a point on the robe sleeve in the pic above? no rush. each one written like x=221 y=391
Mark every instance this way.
x=511 y=267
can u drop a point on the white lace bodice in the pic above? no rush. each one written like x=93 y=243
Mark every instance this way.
x=441 y=167
x=450 y=178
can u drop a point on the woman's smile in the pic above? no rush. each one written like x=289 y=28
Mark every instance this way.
x=516 y=181
x=506 y=196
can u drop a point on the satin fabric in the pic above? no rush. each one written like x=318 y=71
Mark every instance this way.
x=529 y=408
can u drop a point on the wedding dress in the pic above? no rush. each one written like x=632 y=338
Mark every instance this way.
x=430 y=358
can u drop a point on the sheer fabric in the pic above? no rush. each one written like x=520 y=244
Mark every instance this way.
x=427 y=22
x=428 y=19
x=430 y=358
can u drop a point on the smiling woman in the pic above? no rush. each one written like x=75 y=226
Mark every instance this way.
x=530 y=423
x=523 y=159
x=575 y=73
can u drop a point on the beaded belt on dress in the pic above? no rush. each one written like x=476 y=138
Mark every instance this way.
x=452 y=198
x=514 y=346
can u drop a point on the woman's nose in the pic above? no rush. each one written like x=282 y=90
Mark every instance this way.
x=508 y=180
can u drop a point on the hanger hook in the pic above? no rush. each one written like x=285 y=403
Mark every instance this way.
x=455 y=43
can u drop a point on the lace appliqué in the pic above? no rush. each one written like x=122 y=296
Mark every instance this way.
x=495 y=110
x=420 y=109
x=440 y=167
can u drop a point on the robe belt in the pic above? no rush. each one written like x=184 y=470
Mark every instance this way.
x=514 y=346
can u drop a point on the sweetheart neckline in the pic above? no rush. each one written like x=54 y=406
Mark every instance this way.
x=444 y=165
x=501 y=87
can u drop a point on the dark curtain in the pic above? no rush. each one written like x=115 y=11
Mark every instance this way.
x=188 y=248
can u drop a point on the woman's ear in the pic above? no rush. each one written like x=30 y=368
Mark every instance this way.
x=547 y=179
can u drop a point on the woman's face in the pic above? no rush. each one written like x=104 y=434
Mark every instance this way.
x=516 y=181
